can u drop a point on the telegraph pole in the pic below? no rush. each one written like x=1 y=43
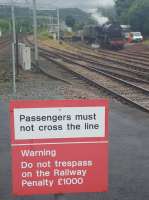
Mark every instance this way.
x=13 y=46
x=35 y=31
x=58 y=25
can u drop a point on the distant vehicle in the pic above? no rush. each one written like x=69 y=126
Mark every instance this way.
x=109 y=35
x=136 y=37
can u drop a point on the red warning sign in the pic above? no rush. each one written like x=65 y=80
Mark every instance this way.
x=59 y=146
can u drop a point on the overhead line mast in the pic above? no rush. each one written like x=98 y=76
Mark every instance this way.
x=35 y=31
x=13 y=46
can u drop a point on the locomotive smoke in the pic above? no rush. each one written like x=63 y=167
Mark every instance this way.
x=98 y=17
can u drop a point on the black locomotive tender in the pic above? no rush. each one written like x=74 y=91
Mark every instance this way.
x=109 y=35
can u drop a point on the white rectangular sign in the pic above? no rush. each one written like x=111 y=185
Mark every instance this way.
x=67 y=122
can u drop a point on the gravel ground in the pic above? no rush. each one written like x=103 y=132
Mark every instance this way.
x=5 y=67
x=35 y=85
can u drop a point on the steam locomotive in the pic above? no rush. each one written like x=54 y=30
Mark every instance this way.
x=109 y=35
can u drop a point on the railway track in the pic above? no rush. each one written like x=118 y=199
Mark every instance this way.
x=142 y=66
x=113 y=71
x=89 y=71
x=111 y=59
x=129 y=92
x=134 y=75
x=121 y=55
x=4 y=42
x=140 y=51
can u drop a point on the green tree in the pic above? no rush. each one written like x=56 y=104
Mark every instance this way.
x=24 y=25
x=135 y=13
x=70 y=21
x=138 y=15
x=4 y=25
x=122 y=6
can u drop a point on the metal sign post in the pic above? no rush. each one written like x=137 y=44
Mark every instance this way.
x=14 y=68
x=58 y=24
x=13 y=46
x=35 y=30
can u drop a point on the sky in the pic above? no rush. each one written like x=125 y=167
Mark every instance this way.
x=83 y=4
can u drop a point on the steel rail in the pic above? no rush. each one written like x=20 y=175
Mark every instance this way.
x=93 y=82
x=65 y=61
x=101 y=64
